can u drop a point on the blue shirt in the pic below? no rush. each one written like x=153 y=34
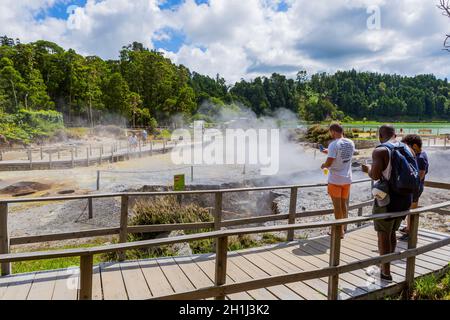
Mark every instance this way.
x=422 y=162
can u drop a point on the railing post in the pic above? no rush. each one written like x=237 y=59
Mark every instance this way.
x=98 y=180
x=50 y=160
x=31 y=158
x=292 y=212
x=123 y=224
x=90 y=208
x=42 y=154
x=335 y=251
x=411 y=262
x=87 y=156
x=72 y=158
x=4 y=237
x=218 y=211
x=192 y=173
x=86 y=272
x=221 y=263
x=360 y=213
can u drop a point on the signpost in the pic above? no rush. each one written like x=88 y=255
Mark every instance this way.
x=179 y=185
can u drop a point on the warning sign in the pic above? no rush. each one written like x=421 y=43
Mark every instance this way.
x=178 y=182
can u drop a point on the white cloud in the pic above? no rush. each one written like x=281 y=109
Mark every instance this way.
x=246 y=38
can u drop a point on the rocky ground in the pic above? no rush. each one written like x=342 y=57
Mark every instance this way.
x=54 y=217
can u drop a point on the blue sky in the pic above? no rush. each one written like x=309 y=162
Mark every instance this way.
x=246 y=38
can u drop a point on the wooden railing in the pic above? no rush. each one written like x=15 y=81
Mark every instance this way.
x=221 y=236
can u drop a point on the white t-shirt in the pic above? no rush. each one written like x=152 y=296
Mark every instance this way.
x=341 y=150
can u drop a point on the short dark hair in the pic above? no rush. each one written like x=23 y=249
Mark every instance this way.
x=387 y=131
x=412 y=139
x=336 y=127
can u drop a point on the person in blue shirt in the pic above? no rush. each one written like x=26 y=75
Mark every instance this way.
x=415 y=142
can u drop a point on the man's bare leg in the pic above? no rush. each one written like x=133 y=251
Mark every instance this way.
x=338 y=212
x=344 y=206
x=384 y=247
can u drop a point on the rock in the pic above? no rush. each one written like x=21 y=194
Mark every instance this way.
x=22 y=187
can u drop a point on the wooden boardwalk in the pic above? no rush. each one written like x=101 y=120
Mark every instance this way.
x=147 y=279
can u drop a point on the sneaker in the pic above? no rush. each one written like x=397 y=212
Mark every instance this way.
x=404 y=237
x=386 y=277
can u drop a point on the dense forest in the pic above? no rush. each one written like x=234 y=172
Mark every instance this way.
x=142 y=87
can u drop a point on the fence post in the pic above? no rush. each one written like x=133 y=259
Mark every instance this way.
x=87 y=156
x=335 y=251
x=221 y=263
x=100 y=151
x=192 y=173
x=123 y=224
x=31 y=159
x=411 y=261
x=218 y=211
x=42 y=154
x=76 y=152
x=140 y=147
x=98 y=180
x=90 y=209
x=360 y=213
x=86 y=272
x=50 y=160
x=292 y=212
x=4 y=237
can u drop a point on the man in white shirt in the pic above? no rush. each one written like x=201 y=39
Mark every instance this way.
x=339 y=163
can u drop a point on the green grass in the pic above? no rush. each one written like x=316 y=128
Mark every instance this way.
x=54 y=264
x=430 y=287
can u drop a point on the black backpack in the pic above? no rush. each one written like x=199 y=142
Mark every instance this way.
x=405 y=171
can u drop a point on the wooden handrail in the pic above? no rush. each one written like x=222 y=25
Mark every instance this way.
x=220 y=236
x=208 y=292
x=14 y=257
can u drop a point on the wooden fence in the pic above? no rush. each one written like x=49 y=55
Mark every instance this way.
x=220 y=289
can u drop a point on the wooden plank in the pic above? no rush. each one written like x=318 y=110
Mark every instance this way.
x=372 y=245
x=292 y=212
x=196 y=274
x=423 y=265
x=334 y=257
x=257 y=267
x=320 y=284
x=64 y=236
x=207 y=264
x=349 y=255
x=5 y=268
x=221 y=263
x=349 y=283
x=112 y=281
x=424 y=237
x=97 y=292
x=123 y=235
x=134 y=280
x=19 y=287
x=356 y=250
x=86 y=274
x=301 y=288
x=156 y=280
x=66 y=284
x=176 y=277
x=43 y=286
x=411 y=262
x=359 y=277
